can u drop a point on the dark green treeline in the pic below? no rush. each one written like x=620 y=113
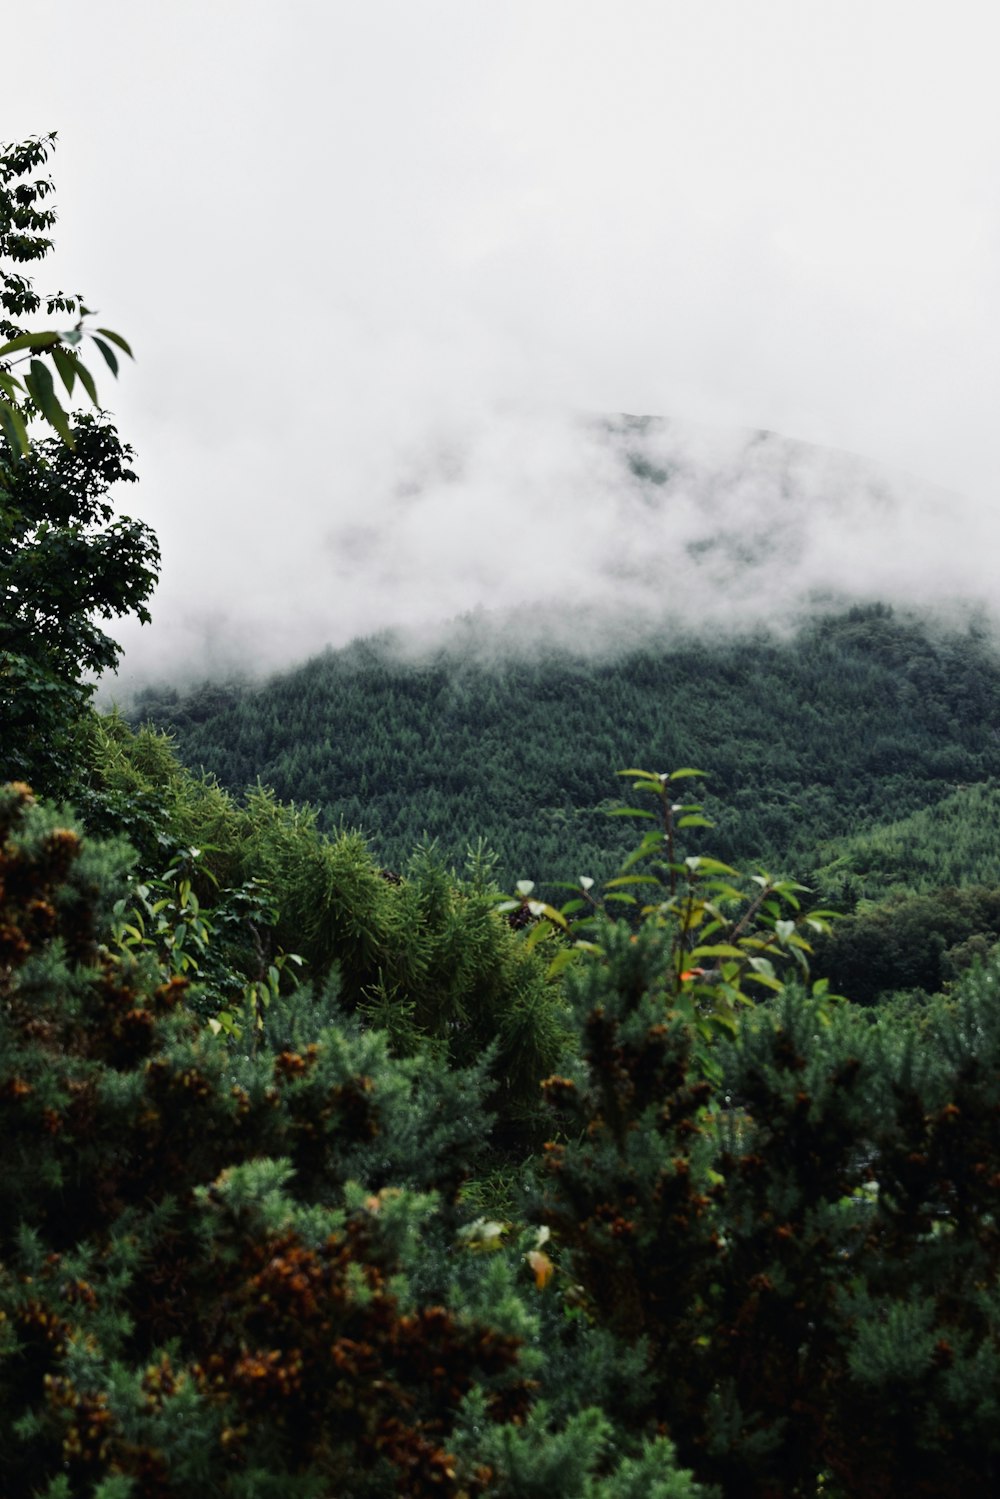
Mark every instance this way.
x=857 y=720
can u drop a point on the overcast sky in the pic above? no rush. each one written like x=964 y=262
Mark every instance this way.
x=374 y=256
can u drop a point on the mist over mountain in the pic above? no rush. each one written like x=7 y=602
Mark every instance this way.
x=573 y=532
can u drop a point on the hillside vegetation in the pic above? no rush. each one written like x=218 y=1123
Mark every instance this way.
x=324 y=1178
x=859 y=720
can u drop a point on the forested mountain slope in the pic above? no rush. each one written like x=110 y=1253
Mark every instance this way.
x=859 y=719
x=954 y=842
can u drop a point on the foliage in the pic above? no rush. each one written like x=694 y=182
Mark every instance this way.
x=739 y=928
x=65 y=560
x=24 y=226
x=805 y=1254
x=952 y=842
x=759 y=1253
x=421 y=953
x=856 y=719
x=202 y=1258
x=911 y=942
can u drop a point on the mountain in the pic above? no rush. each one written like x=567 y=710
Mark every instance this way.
x=853 y=721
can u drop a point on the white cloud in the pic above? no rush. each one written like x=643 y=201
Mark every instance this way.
x=346 y=238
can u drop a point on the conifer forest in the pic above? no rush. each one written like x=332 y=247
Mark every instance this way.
x=480 y=1073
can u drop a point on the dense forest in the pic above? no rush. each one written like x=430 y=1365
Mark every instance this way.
x=361 y=1168
x=860 y=719
x=861 y=754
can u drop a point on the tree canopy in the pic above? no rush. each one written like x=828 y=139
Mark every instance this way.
x=66 y=561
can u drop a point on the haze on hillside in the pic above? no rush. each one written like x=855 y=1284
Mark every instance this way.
x=387 y=267
x=591 y=535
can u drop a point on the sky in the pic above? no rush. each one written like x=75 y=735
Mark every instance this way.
x=383 y=264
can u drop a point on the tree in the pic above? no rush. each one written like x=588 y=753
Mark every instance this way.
x=65 y=560
x=23 y=237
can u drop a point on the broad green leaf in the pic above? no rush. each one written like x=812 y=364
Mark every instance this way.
x=694 y=820
x=41 y=388
x=650 y=844
x=108 y=354
x=677 y=775
x=767 y=980
x=29 y=341
x=708 y=866
x=116 y=338
x=14 y=428
x=86 y=380
x=762 y=966
x=67 y=364
x=540 y=932
x=718 y=950
x=641 y=775
x=562 y=959
x=631 y=879
x=631 y=812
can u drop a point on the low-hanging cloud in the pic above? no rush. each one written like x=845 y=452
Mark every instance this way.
x=577 y=532
x=371 y=256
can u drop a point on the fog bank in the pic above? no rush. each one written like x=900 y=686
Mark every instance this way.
x=584 y=532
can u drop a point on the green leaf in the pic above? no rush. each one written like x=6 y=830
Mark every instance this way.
x=718 y=950
x=768 y=981
x=709 y=866
x=632 y=879
x=539 y=908
x=86 y=380
x=650 y=844
x=762 y=966
x=641 y=775
x=116 y=338
x=29 y=341
x=41 y=388
x=14 y=428
x=67 y=365
x=694 y=820
x=631 y=812
x=110 y=358
x=562 y=959
x=677 y=775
